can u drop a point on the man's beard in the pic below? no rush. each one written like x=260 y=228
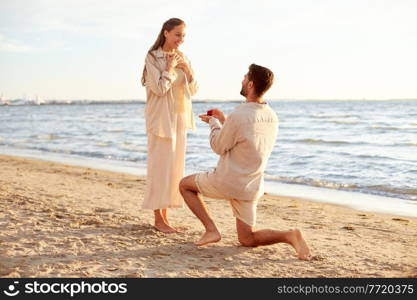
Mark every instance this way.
x=243 y=92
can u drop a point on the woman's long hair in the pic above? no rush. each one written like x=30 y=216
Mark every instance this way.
x=168 y=26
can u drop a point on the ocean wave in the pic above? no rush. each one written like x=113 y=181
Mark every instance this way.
x=320 y=141
x=217 y=101
x=299 y=163
x=133 y=148
x=25 y=102
x=381 y=190
x=28 y=102
x=394 y=190
x=344 y=122
x=411 y=144
x=48 y=137
x=311 y=182
x=357 y=143
x=333 y=116
x=385 y=127
x=103 y=144
x=374 y=157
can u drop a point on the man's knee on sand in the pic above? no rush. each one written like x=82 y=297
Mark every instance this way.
x=247 y=241
x=245 y=234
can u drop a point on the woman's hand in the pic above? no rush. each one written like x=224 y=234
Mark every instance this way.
x=172 y=62
x=183 y=65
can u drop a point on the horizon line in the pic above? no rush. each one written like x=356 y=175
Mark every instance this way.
x=224 y=100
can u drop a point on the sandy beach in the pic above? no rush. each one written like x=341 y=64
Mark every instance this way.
x=65 y=221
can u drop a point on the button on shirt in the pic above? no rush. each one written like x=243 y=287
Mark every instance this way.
x=244 y=143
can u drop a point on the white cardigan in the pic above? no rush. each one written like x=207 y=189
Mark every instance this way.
x=160 y=102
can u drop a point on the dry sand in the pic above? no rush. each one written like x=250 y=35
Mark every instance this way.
x=65 y=221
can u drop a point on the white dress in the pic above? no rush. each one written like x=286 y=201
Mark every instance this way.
x=166 y=157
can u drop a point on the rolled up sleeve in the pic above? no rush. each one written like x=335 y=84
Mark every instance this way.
x=158 y=82
x=223 y=138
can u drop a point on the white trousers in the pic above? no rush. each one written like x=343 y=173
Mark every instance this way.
x=165 y=169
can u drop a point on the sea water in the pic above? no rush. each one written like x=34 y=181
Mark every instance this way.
x=361 y=154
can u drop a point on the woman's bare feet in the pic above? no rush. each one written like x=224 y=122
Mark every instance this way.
x=209 y=237
x=165 y=228
x=161 y=221
x=164 y=215
x=297 y=241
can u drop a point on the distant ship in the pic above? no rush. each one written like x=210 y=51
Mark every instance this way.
x=4 y=101
x=36 y=101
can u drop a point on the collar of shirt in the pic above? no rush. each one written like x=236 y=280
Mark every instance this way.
x=159 y=53
x=253 y=104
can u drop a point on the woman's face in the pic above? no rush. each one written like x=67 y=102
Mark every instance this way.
x=175 y=37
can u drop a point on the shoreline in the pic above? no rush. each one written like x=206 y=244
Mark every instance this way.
x=60 y=220
x=352 y=199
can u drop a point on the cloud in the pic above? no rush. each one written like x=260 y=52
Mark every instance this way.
x=10 y=45
x=125 y=19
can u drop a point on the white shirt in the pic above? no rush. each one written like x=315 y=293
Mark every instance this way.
x=163 y=101
x=244 y=143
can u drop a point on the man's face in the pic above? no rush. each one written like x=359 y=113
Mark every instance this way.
x=244 y=90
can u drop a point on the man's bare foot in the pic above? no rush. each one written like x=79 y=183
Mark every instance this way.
x=300 y=245
x=165 y=228
x=209 y=237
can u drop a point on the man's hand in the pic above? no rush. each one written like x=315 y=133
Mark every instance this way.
x=215 y=113
x=218 y=114
x=205 y=118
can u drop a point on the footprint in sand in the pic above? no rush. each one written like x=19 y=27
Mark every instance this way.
x=318 y=258
x=316 y=226
x=400 y=220
x=5 y=270
x=57 y=216
x=160 y=253
x=102 y=210
x=137 y=227
x=92 y=222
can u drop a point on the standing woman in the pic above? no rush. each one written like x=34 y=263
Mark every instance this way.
x=170 y=83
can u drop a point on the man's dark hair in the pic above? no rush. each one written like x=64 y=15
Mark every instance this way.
x=261 y=77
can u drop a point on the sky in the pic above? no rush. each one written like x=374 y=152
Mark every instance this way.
x=317 y=49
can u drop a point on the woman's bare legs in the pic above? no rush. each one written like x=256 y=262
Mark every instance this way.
x=164 y=215
x=161 y=221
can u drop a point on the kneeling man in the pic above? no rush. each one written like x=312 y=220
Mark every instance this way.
x=244 y=140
